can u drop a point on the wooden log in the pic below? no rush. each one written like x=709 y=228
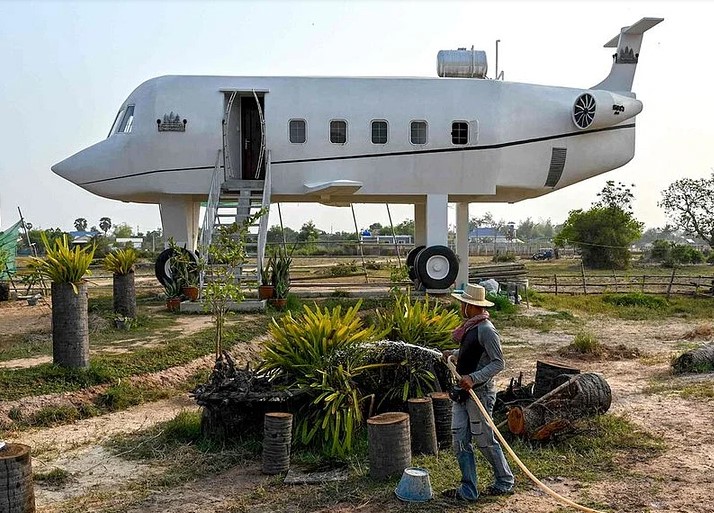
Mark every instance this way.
x=696 y=360
x=70 y=325
x=16 y=488
x=389 y=444
x=124 y=292
x=277 y=437
x=422 y=426
x=585 y=395
x=442 y=418
x=546 y=373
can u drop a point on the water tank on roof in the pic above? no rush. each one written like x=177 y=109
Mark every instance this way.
x=461 y=63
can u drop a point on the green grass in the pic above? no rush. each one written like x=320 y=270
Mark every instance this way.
x=107 y=368
x=542 y=322
x=25 y=345
x=584 y=343
x=666 y=384
x=56 y=477
x=599 y=304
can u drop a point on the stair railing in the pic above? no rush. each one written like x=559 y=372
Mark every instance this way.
x=263 y=225
x=209 y=218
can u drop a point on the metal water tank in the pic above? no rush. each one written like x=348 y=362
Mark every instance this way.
x=461 y=63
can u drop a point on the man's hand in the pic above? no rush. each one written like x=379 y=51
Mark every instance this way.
x=445 y=354
x=466 y=383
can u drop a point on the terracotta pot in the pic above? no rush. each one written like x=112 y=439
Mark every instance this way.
x=266 y=292
x=173 y=304
x=190 y=292
x=278 y=304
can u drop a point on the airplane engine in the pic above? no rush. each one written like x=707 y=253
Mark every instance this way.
x=601 y=109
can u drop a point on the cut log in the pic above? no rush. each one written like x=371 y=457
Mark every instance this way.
x=422 y=426
x=547 y=376
x=696 y=360
x=389 y=445
x=583 y=396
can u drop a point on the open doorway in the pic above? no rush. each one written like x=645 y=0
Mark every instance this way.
x=243 y=136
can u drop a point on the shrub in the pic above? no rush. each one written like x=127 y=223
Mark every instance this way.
x=418 y=322
x=121 y=261
x=320 y=353
x=508 y=256
x=501 y=303
x=586 y=343
x=61 y=263
x=635 y=299
x=342 y=269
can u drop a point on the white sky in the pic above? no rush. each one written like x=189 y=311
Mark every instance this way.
x=65 y=67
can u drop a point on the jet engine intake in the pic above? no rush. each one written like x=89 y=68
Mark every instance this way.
x=599 y=109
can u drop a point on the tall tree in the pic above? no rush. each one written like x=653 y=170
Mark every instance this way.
x=80 y=224
x=604 y=233
x=123 y=230
x=308 y=232
x=690 y=204
x=406 y=227
x=105 y=224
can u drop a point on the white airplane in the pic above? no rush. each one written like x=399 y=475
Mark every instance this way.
x=182 y=140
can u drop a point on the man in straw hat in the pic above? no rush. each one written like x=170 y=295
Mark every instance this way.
x=479 y=359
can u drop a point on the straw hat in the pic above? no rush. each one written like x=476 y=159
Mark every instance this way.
x=473 y=295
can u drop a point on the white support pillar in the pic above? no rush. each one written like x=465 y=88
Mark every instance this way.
x=437 y=220
x=462 y=244
x=420 y=224
x=179 y=219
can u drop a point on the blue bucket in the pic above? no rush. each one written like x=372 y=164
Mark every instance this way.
x=414 y=486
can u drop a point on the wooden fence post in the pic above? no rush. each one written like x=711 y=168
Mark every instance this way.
x=671 y=280
x=614 y=277
x=643 y=282
x=555 y=277
x=582 y=270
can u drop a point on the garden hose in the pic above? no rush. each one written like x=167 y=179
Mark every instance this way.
x=521 y=465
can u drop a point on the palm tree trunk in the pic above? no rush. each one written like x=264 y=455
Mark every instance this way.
x=124 y=295
x=70 y=328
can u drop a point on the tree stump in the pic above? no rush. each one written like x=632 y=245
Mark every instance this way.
x=421 y=422
x=124 y=295
x=696 y=360
x=587 y=395
x=277 y=437
x=16 y=489
x=442 y=418
x=4 y=291
x=546 y=377
x=389 y=444
x=70 y=325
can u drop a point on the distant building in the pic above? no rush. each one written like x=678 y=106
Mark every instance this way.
x=385 y=239
x=82 y=237
x=486 y=234
x=125 y=242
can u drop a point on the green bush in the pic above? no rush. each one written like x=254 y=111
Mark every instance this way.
x=508 y=256
x=342 y=269
x=586 y=343
x=320 y=353
x=501 y=303
x=637 y=299
x=418 y=322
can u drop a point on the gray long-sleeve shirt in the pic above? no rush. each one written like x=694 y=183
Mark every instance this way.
x=491 y=361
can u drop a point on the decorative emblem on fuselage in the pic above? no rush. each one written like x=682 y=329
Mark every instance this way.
x=171 y=123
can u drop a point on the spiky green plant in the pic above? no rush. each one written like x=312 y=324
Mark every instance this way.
x=121 y=261
x=320 y=353
x=62 y=264
x=418 y=322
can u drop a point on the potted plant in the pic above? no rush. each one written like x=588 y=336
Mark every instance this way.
x=121 y=264
x=184 y=270
x=266 y=290
x=280 y=278
x=173 y=295
x=65 y=267
x=123 y=323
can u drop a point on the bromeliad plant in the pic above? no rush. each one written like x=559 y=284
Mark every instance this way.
x=418 y=322
x=320 y=353
x=63 y=264
x=121 y=262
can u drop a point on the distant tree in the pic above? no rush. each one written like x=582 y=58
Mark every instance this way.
x=525 y=229
x=80 y=224
x=406 y=227
x=375 y=228
x=690 y=204
x=275 y=234
x=604 y=233
x=123 y=230
x=105 y=224
x=309 y=232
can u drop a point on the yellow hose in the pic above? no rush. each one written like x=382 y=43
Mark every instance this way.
x=521 y=465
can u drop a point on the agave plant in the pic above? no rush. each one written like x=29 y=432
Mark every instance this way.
x=121 y=262
x=63 y=264
x=321 y=352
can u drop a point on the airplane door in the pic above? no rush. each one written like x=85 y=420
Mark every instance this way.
x=251 y=138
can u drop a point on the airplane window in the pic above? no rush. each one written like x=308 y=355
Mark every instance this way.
x=128 y=121
x=297 y=131
x=116 y=122
x=418 y=132
x=459 y=132
x=338 y=132
x=379 y=132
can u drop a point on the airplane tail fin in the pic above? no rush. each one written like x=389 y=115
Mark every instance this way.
x=628 y=43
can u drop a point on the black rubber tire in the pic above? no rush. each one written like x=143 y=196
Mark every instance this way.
x=161 y=267
x=421 y=265
x=411 y=258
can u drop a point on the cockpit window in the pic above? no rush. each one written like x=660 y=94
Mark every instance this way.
x=120 y=114
x=128 y=121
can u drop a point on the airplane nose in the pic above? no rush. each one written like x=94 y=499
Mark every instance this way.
x=88 y=165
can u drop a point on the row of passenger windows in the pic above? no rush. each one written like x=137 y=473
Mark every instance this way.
x=418 y=134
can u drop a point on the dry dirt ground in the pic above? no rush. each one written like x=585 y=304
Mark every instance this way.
x=680 y=480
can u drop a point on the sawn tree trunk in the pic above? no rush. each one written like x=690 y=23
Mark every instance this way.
x=125 y=295
x=70 y=328
x=696 y=360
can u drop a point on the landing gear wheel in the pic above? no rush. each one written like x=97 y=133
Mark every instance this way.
x=436 y=267
x=162 y=267
x=411 y=258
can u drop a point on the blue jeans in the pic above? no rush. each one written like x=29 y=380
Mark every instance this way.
x=467 y=423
